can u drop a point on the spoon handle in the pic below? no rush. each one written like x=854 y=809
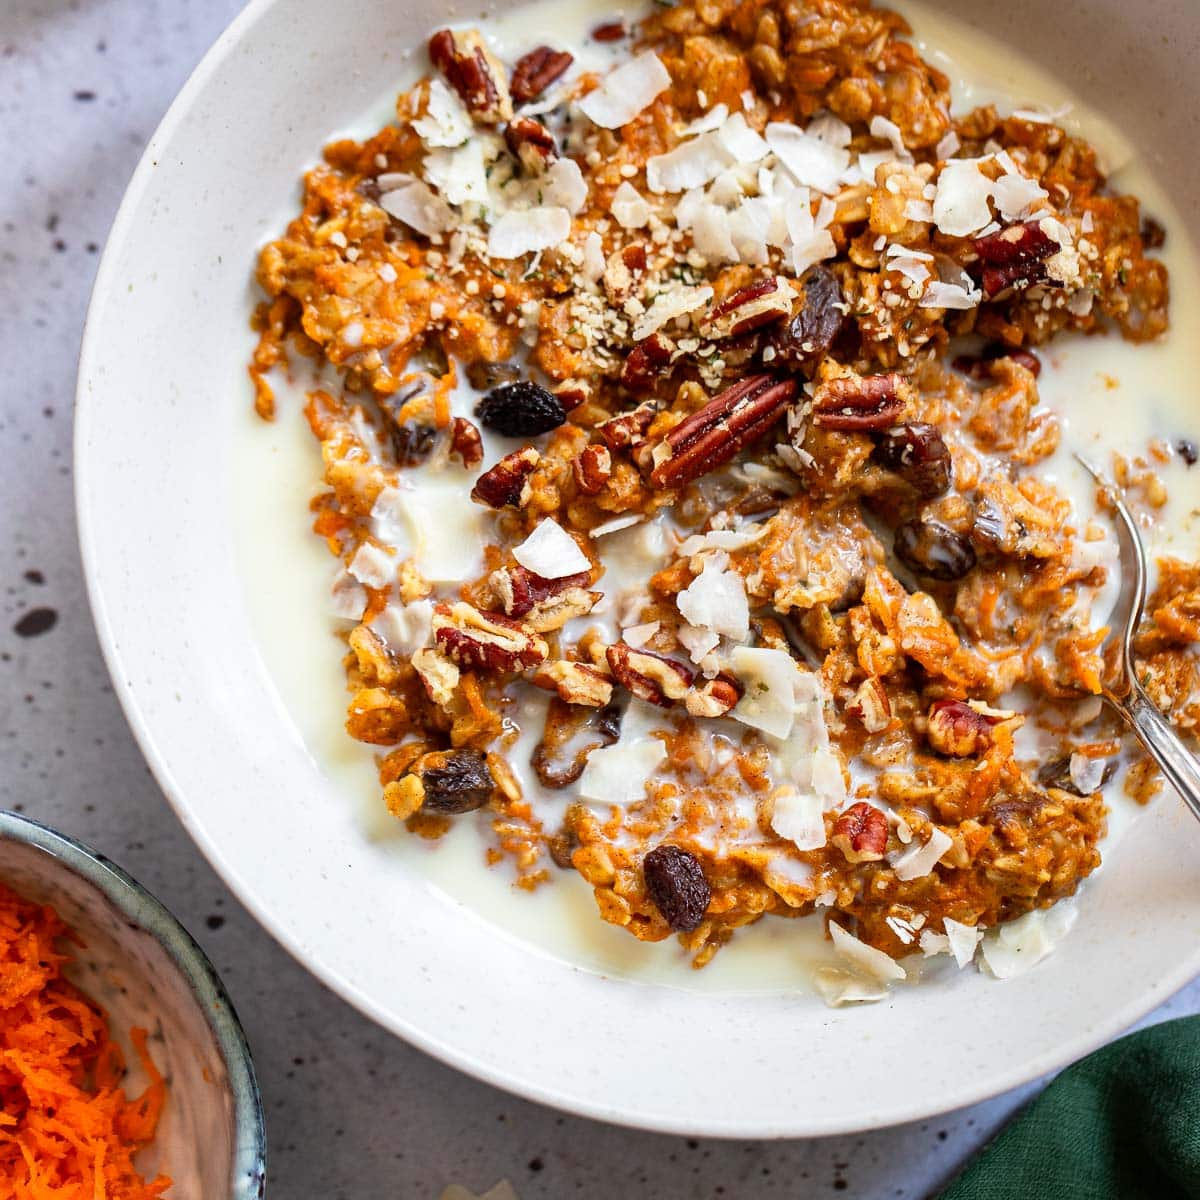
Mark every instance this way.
x=1162 y=743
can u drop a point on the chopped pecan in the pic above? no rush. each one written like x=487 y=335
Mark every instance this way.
x=710 y=437
x=650 y=677
x=1014 y=256
x=572 y=393
x=858 y=402
x=536 y=71
x=592 y=469
x=465 y=443
x=871 y=705
x=713 y=697
x=543 y=604
x=627 y=430
x=647 y=363
x=531 y=144
x=958 y=730
x=760 y=303
x=610 y=31
x=507 y=483
x=623 y=270
x=570 y=734
x=485 y=641
x=575 y=682
x=979 y=366
x=473 y=72
x=438 y=675
x=861 y=833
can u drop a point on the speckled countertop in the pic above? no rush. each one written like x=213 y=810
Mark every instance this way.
x=351 y=1111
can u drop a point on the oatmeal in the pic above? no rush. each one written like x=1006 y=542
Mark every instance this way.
x=687 y=464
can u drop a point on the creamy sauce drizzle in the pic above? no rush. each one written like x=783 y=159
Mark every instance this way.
x=1109 y=396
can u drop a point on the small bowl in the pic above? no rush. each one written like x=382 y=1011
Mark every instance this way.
x=146 y=969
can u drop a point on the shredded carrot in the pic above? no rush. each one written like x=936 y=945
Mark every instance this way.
x=67 y=1129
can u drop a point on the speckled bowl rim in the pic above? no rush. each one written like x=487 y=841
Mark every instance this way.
x=140 y=908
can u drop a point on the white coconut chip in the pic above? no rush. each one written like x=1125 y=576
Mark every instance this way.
x=770 y=678
x=716 y=600
x=798 y=816
x=699 y=643
x=446 y=121
x=528 y=231
x=623 y=93
x=1017 y=195
x=744 y=144
x=563 y=185
x=459 y=174
x=813 y=161
x=1087 y=774
x=616 y=525
x=667 y=305
x=618 y=774
x=405 y=628
x=960 y=207
x=827 y=779
x=838 y=987
x=962 y=939
x=872 y=963
x=1012 y=948
x=629 y=207
x=919 y=860
x=638 y=635
x=551 y=552
x=932 y=943
x=419 y=207
x=939 y=294
x=889 y=131
x=593 y=257
x=373 y=566
x=713 y=119
x=948 y=147
x=349 y=597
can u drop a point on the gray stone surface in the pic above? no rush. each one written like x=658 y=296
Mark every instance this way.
x=351 y=1111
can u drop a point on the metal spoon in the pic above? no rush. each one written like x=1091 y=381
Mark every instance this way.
x=1121 y=687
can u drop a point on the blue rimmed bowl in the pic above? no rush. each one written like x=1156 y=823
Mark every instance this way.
x=141 y=964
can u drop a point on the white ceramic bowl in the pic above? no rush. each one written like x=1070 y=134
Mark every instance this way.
x=143 y=967
x=162 y=399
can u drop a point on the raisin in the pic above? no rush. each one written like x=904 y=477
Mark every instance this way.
x=1186 y=449
x=676 y=884
x=483 y=376
x=1057 y=774
x=809 y=334
x=917 y=453
x=521 y=409
x=412 y=443
x=1154 y=236
x=462 y=784
x=933 y=549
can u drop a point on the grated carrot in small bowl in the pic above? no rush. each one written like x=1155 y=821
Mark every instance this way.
x=68 y=1131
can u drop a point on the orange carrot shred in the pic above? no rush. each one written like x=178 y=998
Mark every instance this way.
x=67 y=1129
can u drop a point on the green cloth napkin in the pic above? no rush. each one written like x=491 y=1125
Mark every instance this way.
x=1122 y=1124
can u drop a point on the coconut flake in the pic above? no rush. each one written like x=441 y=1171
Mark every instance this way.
x=446 y=121
x=593 y=256
x=827 y=779
x=563 y=185
x=962 y=940
x=405 y=628
x=948 y=147
x=770 y=678
x=615 y=525
x=918 y=860
x=630 y=207
x=713 y=119
x=889 y=131
x=638 y=635
x=373 y=566
x=1087 y=774
x=938 y=294
x=1011 y=949
x=798 y=816
x=872 y=963
x=960 y=207
x=459 y=174
x=690 y=164
x=551 y=552
x=743 y=143
x=699 y=643
x=712 y=235
x=813 y=161
x=349 y=597
x=716 y=600
x=932 y=943
x=669 y=304
x=528 y=231
x=618 y=774
x=419 y=207
x=838 y=987
x=1016 y=195
x=623 y=93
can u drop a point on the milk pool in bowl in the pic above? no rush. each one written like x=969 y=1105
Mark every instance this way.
x=1109 y=395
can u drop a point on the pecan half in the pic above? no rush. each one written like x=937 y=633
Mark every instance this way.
x=610 y=31
x=871 y=705
x=536 y=71
x=575 y=682
x=627 y=430
x=858 y=402
x=507 y=483
x=710 y=437
x=465 y=443
x=531 y=144
x=713 y=697
x=485 y=641
x=861 y=833
x=647 y=363
x=957 y=730
x=1014 y=256
x=571 y=733
x=473 y=72
x=760 y=303
x=592 y=469
x=650 y=677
